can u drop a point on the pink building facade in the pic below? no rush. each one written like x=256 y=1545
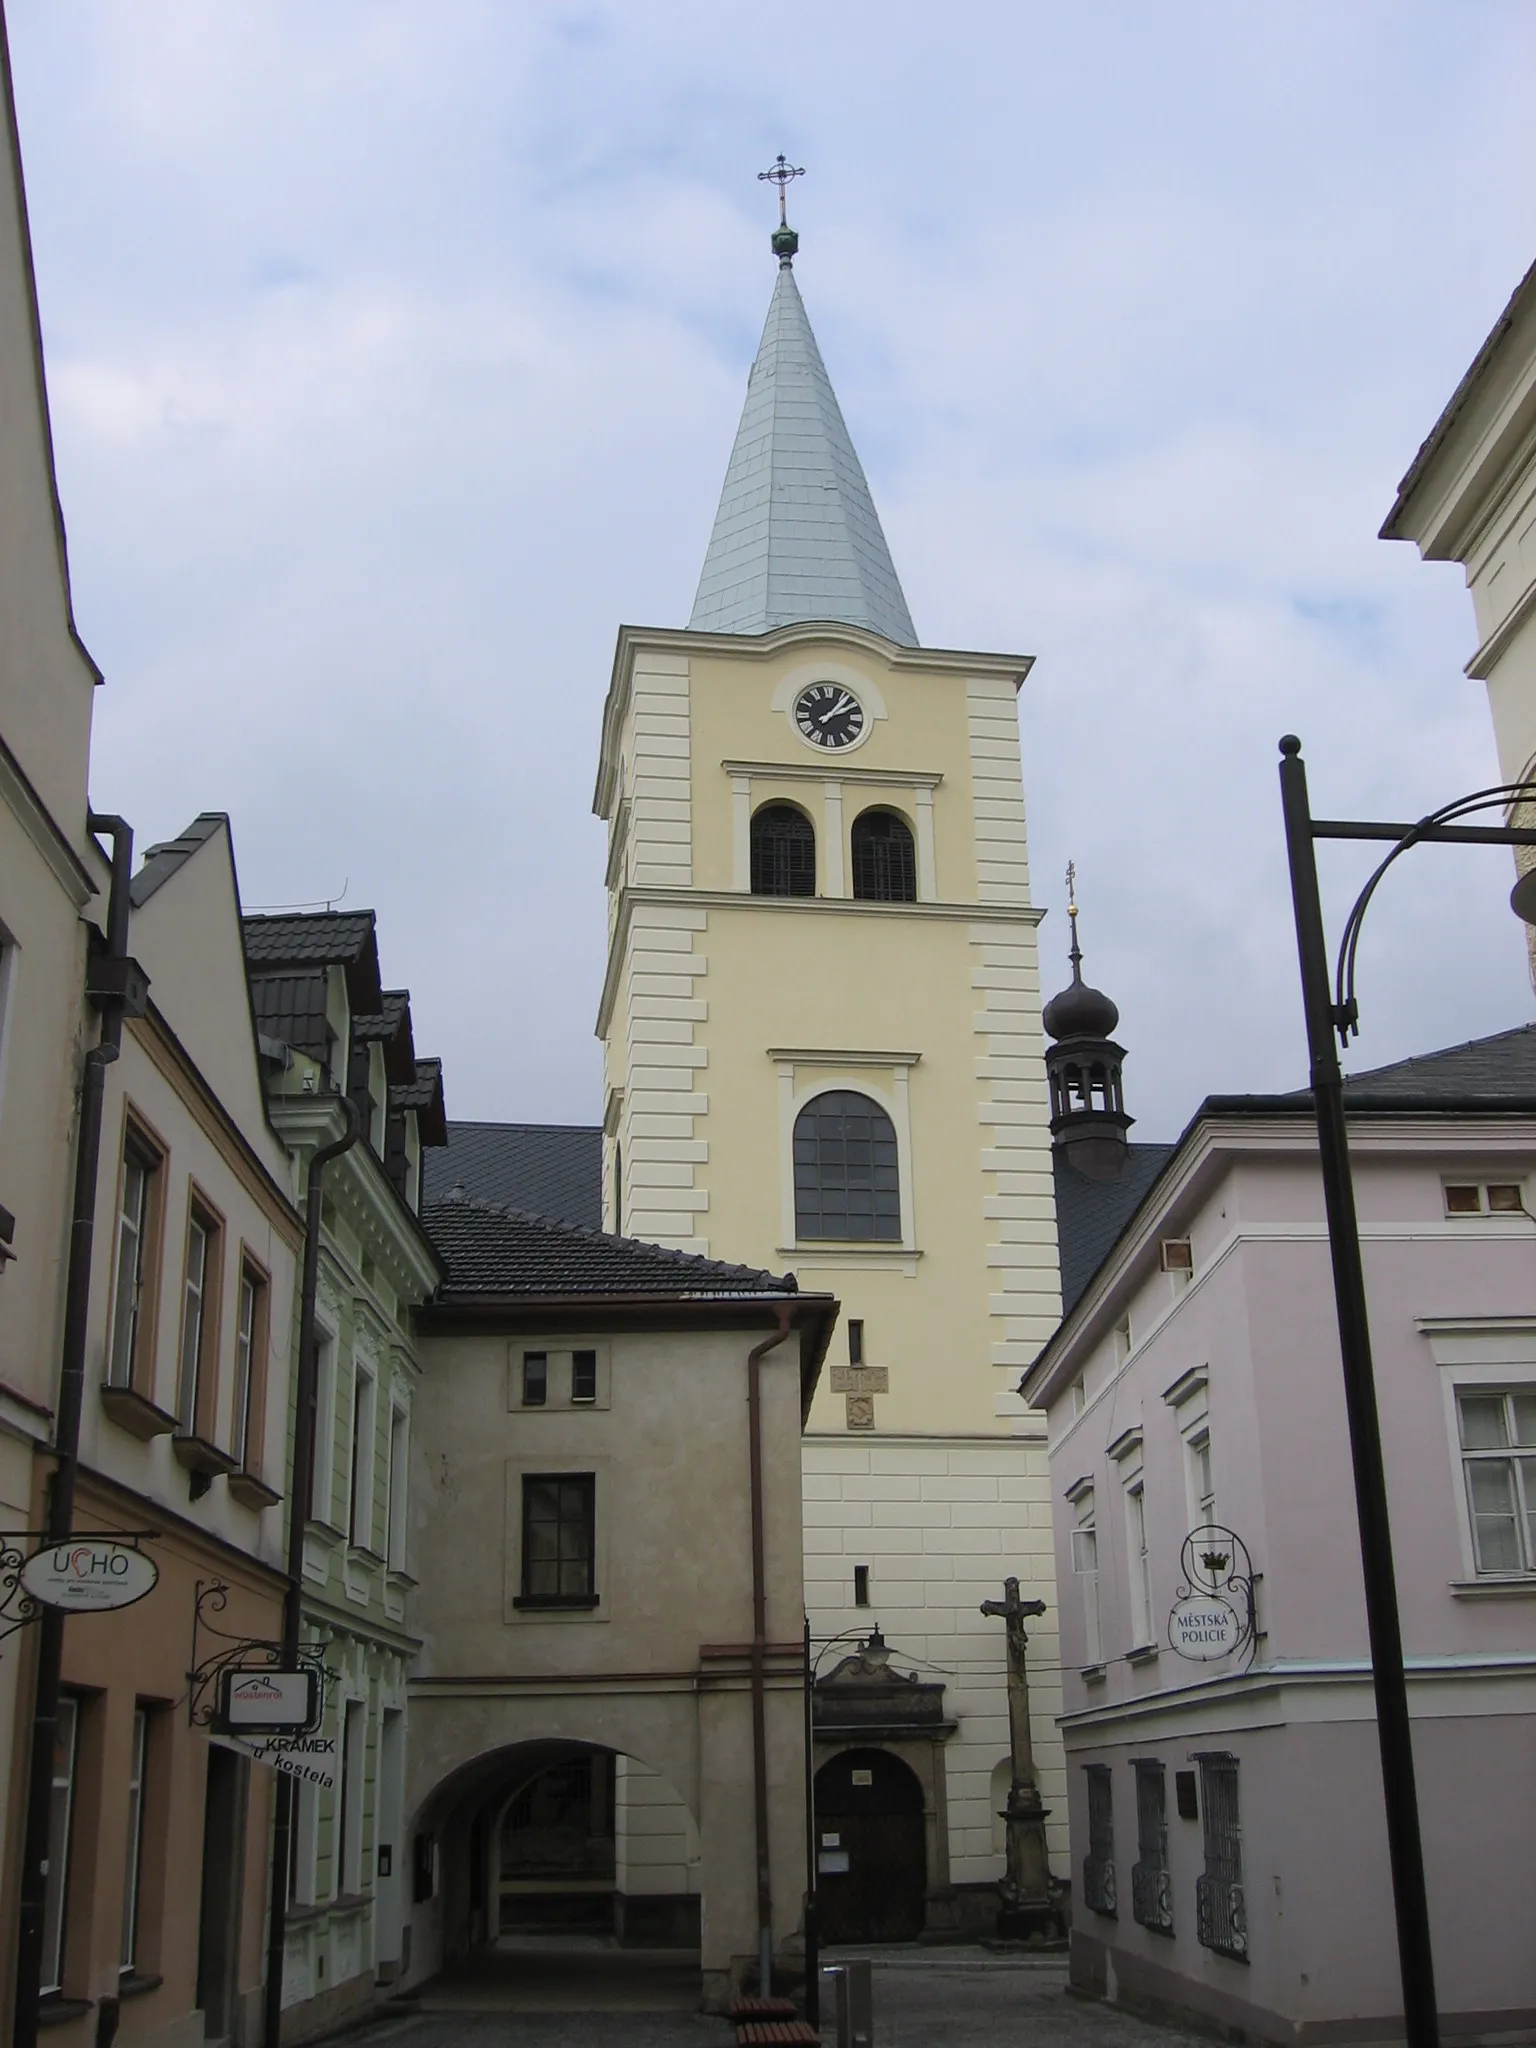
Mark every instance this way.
x=1228 y=1836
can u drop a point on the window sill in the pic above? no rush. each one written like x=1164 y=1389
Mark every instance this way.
x=132 y=1985
x=1144 y=1653
x=553 y=1604
x=136 y=1413
x=196 y=1454
x=252 y=1492
x=398 y=1576
x=317 y=1909
x=1093 y=1674
x=57 y=2012
x=1521 y=1588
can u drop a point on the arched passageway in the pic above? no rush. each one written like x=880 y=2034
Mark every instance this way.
x=547 y=1839
x=872 y=1862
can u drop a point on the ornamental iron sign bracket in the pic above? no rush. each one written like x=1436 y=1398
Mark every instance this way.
x=89 y=1571
x=242 y=1685
x=1214 y=1615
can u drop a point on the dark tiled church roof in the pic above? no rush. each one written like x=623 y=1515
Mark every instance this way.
x=1485 y=1076
x=1490 y=1073
x=489 y=1249
x=553 y=1170
x=1090 y=1214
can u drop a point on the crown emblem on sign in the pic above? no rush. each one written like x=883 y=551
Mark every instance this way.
x=1215 y=1560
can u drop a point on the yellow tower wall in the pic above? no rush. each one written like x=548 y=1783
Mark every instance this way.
x=724 y=1012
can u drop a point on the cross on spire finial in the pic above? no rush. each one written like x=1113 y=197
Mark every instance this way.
x=1076 y=954
x=784 y=241
x=780 y=174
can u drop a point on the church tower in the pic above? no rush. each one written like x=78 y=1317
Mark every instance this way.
x=823 y=1052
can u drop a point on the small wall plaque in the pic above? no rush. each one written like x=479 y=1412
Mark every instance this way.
x=861 y=1379
x=861 y=1411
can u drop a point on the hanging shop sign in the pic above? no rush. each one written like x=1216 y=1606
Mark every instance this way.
x=260 y=1701
x=309 y=1758
x=1213 y=1615
x=88 y=1576
x=1204 y=1627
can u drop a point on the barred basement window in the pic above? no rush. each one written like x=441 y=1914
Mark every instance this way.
x=1099 y=1863
x=1151 y=1882
x=783 y=852
x=846 y=1180
x=884 y=861
x=1220 y=1915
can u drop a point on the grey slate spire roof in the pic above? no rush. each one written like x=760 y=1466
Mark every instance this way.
x=797 y=536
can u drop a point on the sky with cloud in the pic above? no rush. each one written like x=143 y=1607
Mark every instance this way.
x=395 y=353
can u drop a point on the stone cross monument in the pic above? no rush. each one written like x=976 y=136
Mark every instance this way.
x=1030 y=1894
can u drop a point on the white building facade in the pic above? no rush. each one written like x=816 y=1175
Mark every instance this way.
x=1228 y=1824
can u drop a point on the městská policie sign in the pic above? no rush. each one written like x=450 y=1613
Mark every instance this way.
x=1204 y=1627
x=1214 y=1612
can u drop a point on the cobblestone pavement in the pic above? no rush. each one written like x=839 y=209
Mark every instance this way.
x=924 y=1998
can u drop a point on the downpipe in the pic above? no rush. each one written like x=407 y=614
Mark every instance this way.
x=755 y=1359
x=300 y=1500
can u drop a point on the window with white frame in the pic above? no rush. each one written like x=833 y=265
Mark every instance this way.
x=1085 y=1566
x=325 y=1427
x=348 y=1865
x=360 y=1488
x=128 y=1344
x=1485 y=1198
x=399 y=1489
x=133 y=1868
x=1140 y=1562
x=1497 y=1432
x=61 y=1814
x=1202 y=1481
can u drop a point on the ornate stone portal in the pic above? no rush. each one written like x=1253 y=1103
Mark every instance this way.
x=1032 y=1898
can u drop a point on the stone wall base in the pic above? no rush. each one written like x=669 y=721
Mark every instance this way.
x=335 y=2007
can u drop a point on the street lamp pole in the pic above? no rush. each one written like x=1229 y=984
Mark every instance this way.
x=1331 y=1009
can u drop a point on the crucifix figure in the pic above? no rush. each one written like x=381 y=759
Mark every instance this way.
x=1030 y=1894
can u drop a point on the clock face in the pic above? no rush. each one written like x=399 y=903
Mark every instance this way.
x=829 y=716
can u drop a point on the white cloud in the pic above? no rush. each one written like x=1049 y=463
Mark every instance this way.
x=396 y=352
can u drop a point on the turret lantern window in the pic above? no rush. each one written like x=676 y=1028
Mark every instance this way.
x=884 y=859
x=783 y=852
x=846 y=1179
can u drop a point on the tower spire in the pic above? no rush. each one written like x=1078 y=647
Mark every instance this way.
x=1083 y=1066
x=796 y=536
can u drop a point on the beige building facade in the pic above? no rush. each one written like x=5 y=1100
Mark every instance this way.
x=823 y=1051
x=609 y=1613
x=1470 y=497
x=51 y=877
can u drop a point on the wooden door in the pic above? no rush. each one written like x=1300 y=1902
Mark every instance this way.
x=871 y=1849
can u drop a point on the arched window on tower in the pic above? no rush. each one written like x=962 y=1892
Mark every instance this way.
x=846 y=1180
x=783 y=852
x=884 y=860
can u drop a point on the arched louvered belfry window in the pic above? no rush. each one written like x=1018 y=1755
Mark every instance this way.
x=884 y=859
x=846 y=1179
x=783 y=852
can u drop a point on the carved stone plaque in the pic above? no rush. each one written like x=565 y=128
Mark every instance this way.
x=861 y=1379
x=861 y=1411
